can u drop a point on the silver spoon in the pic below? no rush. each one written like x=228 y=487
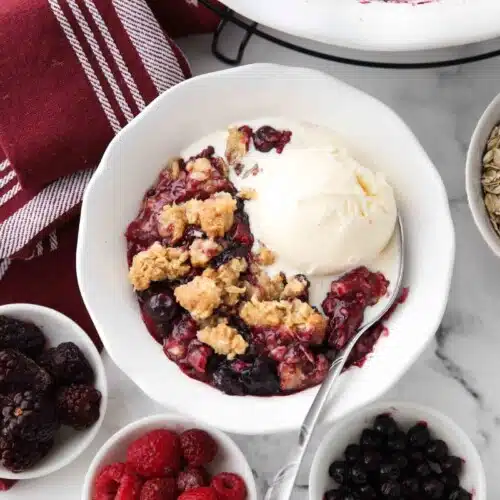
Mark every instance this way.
x=282 y=485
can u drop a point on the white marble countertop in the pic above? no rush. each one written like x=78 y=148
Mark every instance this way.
x=459 y=372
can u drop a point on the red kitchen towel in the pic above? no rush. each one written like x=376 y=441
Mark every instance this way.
x=72 y=74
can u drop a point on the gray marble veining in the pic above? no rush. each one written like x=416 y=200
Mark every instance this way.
x=458 y=374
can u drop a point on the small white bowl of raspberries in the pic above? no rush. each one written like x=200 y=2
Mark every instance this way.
x=169 y=457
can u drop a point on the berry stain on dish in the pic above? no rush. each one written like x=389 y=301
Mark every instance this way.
x=165 y=465
x=257 y=252
x=40 y=390
x=390 y=463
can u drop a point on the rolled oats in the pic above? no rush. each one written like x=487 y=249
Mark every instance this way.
x=490 y=178
x=223 y=339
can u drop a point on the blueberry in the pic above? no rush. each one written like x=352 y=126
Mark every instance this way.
x=227 y=380
x=338 y=472
x=450 y=481
x=261 y=378
x=410 y=486
x=371 y=439
x=352 y=453
x=391 y=489
x=433 y=488
x=396 y=441
x=366 y=492
x=423 y=470
x=389 y=470
x=161 y=307
x=371 y=460
x=452 y=464
x=419 y=435
x=416 y=456
x=400 y=460
x=436 y=450
x=333 y=495
x=357 y=475
x=385 y=424
x=460 y=494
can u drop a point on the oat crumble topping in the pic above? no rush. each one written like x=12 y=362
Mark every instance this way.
x=295 y=314
x=199 y=169
x=294 y=288
x=215 y=215
x=157 y=263
x=202 y=251
x=223 y=339
x=174 y=165
x=236 y=145
x=201 y=296
x=247 y=193
x=172 y=222
x=265 y=257
x=227 y=279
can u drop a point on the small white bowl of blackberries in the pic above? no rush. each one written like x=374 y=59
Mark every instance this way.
x=397 y=451
x=53 y=391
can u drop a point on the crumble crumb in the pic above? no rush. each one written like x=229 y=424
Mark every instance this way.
x=227 y=279
x=236 y=145
x=199 y=169
x=174 y=165
x=201 y=296
x=295 y=287
x=157 y=263
x=223 y=339
x=247 y=193
x=172 y=222
x=265 y=287
x=202 y=251
x=295 y=315
x=215 y=215
x=265 y=257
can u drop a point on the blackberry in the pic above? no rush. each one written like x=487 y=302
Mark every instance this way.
x=19 y=373
x=416 y=456
x=400 y=460
x=423 y=470
x=28 y=416
x=18 y=456
x=22 y=336
x=357 y=475
x=67 y=364
x=78 y=406
x=389 y=470
x=450 y=481
x=436 y=450
x=352 y=453
x=385 y=424
x=334 y=495
x=410 y=486
x=419 y=436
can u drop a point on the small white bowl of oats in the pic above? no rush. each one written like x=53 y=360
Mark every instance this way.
x=482 y=175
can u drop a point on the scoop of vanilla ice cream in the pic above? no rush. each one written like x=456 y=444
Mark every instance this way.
x=320 y=210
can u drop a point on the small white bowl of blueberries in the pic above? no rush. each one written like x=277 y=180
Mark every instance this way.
x=397 y=451
x=53 y=391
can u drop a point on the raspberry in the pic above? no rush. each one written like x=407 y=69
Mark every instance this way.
x=155 y=454
x=192 y=477
x=160 y=488
x=6 y=484
x=78 y=406
x=67 y=364
x=204 y=493
x=229 y=486
x=117 y=482
x=198 y=447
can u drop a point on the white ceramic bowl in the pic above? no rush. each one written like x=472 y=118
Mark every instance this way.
x=57 y=328
x=131 y=164
x=473 y=171
x=376 y=25
x=406 y=414
x=229 y=459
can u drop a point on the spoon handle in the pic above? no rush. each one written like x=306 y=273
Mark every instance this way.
x=282 y=485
